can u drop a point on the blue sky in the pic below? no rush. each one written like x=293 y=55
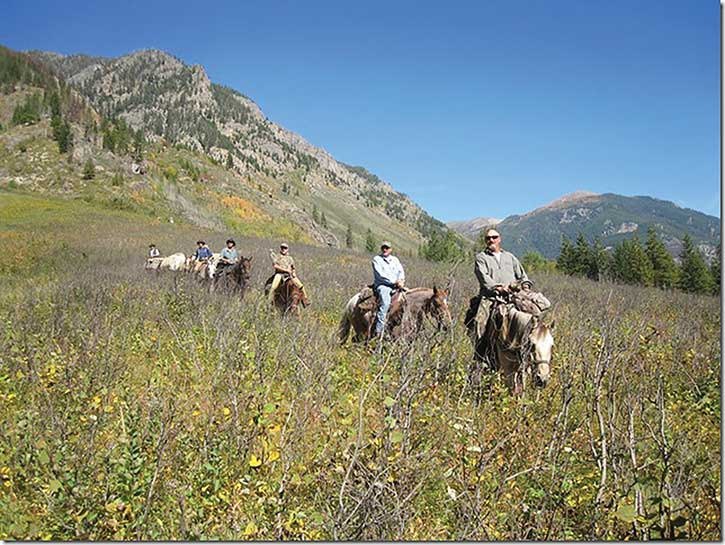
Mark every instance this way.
x=473 y=108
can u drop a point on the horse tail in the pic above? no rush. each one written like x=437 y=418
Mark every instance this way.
x=343 y=329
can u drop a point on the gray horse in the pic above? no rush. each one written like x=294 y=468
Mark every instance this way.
x=522 y=345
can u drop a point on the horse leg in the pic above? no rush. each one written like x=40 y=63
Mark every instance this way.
x=508 y=369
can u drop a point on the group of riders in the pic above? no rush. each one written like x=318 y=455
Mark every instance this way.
x=282 y=263
x=499 y=273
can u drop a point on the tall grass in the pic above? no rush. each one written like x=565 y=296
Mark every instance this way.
x=140 y=406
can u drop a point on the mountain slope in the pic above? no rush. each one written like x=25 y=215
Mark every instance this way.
x=609 y=217
x=169 y=101
x=471 y=228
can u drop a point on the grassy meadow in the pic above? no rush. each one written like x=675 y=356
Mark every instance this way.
x=139 y=406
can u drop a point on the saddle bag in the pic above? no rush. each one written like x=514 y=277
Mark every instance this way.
x=532 y=302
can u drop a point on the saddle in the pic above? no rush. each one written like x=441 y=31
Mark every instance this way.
x=268 y=282
x=369 y=299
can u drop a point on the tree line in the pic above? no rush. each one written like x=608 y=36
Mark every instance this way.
x=631 y=262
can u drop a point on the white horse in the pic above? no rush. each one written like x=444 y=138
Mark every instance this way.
x=174 y=262
x=524 y=346
x=202 y=270
x=212 y=264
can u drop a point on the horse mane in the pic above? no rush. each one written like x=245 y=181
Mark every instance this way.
x=515 y=329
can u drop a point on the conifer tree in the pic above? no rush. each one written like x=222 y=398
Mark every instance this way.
x=631 y=264
x=89 y=171
x=348 y=236
x=601 y=261
x=566 y=262
x=64 y=136
x=138 y=146
x=583 y=258
x=369 y=241
x=230 y=160
x=715 y=271
x=664 y=267
x=442 y=247
x=694 y=274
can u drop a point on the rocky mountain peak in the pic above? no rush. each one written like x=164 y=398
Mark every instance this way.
x=570 y=198
x=158 y=94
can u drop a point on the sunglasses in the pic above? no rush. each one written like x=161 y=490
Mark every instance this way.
x=492 y=238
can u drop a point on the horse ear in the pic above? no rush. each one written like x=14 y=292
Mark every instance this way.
x=450 y=284
x=435 y=290
x=251 y=257
x=552 y=325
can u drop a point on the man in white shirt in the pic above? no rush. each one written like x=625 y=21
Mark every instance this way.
x=388 y=275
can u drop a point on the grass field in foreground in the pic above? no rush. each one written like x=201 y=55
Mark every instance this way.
x=136 y=406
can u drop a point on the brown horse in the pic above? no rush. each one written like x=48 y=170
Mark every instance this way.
x=406 y=316
x=234 y=278
x=288 y=297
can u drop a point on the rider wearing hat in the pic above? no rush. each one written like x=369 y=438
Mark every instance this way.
x=154 y=251
x=388 y=275
x=284 y=267
x=229 y=256
x=202 y=254
x=496 y=270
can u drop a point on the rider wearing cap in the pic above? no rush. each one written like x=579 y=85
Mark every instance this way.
x=154 y=251
x=388 y=275
x=284 y=267
x=495 y=270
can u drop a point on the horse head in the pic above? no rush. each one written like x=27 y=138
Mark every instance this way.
x=438 y=308
x=542 y=344
x=245 y=270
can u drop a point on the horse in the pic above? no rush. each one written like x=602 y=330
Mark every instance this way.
x=205 y=271
x=234 y=278
x=406 y=316
x=288 y=297
x=174 y=262
x=522 y=344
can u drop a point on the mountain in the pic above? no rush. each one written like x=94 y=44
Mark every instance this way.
x=610 y=218
x=188 y=120
x=471 y=228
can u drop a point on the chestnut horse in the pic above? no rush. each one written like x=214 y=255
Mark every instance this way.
x=288 y=297
x=406 y=316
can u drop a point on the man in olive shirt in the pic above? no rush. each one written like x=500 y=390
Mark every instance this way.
x=284 y=266
x=495 y=269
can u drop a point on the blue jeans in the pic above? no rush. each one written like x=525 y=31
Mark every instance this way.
x=384 y=295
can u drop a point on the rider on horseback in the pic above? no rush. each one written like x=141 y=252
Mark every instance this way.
x=202 y=255
x=228 y=258
x=388 y=276
x=284 y=268
x=495 y=270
